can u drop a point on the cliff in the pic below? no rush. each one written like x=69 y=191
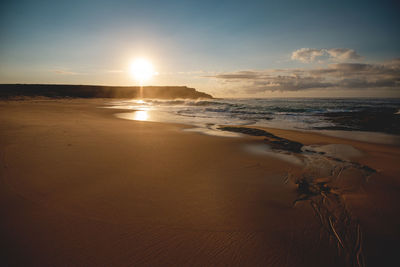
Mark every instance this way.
x=96 y=91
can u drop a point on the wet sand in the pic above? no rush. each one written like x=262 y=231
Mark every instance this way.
x=81 y=187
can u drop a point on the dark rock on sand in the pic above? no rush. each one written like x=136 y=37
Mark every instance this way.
x=274 y=141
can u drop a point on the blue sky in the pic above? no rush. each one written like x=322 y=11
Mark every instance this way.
x=196 y=43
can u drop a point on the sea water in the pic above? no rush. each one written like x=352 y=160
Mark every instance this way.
x=282 y=113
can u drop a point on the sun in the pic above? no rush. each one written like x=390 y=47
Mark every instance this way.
x=142 y=70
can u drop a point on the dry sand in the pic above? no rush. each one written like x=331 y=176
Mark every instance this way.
x=80 y=187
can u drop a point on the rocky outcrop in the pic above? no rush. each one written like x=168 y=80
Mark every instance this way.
x=95 y=91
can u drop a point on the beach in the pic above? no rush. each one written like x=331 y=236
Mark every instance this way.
x=82 y=187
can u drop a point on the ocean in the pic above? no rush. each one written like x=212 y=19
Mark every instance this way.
x=282 y=113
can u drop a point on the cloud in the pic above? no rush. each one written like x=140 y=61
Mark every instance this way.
x=342 y=53
x=63 y=72
x=307 y=55
x=194 y=72
x=115 y=71
x=334 y=76
x=88 y=72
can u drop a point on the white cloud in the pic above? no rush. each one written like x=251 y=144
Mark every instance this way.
x=307 y=55
x=342 y=54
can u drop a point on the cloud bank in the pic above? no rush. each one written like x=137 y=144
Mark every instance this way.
x=307 y=55
x=334 y=76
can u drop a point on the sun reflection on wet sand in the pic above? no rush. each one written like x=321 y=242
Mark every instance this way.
x=140 y=115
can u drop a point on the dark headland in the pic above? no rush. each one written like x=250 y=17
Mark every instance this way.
x=98 y=91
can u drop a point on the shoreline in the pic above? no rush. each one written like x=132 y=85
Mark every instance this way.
x=343 y=124
x=360 y=136
x=163 y=195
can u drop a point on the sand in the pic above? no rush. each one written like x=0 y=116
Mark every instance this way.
x=81 y=187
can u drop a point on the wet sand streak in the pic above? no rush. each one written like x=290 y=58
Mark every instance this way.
x=322 y=183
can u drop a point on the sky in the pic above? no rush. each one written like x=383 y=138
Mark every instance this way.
x=226 y=48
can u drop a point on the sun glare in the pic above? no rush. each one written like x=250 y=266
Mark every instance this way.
x=140 y=115
x=142 y=70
